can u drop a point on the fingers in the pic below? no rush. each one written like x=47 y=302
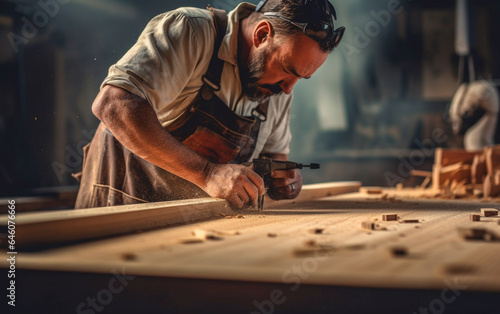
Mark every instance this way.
x=284 y=174
x=290 y=191
x=257 y=181
x=252 y=187
x=239 y=185
x=251 y=194
x=285 y=184
x=248 y=187
x=235 y=201
x=282 y=178
x=245 y=197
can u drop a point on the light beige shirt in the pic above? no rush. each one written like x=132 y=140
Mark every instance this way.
x=166 y=65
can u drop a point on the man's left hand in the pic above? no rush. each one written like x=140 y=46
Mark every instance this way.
x=285 y=184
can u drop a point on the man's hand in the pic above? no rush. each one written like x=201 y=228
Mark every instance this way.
x=134 y=123
x=237 y=184
x=285 y=184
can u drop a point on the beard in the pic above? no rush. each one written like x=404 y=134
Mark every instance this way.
x=251 y=77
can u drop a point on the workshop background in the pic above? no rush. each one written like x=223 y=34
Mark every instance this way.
x=374 y=108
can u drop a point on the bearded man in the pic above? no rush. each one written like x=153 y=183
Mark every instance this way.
x=200 y=93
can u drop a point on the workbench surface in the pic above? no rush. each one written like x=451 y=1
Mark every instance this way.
x=312 y=243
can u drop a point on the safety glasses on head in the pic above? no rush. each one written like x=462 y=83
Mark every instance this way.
x=322 y=27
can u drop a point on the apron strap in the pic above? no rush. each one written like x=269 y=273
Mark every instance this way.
x=260 y=115
x=212 y=78
x=260 y=112
x=214 y=72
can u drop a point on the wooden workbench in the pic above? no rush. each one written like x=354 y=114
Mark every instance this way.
x=303 y=257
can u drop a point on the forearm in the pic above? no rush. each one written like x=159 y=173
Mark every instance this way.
x=134 y=123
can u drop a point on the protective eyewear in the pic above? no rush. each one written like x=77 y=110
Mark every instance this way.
x=317 y=30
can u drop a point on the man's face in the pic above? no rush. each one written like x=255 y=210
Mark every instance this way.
x=275 y=68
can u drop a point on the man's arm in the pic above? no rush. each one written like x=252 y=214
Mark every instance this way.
x=282 y=180
x=134 y=123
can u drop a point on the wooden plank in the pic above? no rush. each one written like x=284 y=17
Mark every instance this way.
x=438 y=156
x=478 y=169
x=488 y=212
x=43 y=199
x=474 y=217
x=390 y=217
x=445 y=157
x=452 y=168
x=456 y=172
x=436 y=172
x=492 y=156
x=446 y=160
x=491 y=185
x=425 y=183
x=30 y=204
x=371 y=190
x=71 y=225
x=315 y=191
x=435 y=252
x=421 y=173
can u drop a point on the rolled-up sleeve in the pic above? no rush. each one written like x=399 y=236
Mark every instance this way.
x=159 y=67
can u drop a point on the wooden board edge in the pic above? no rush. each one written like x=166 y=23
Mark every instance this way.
x=250 y=274
x=55 y=227
x=315 y=191
x=66 y=226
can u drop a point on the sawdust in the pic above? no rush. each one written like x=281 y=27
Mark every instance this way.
x=200 y=236
x=232 y=217
x=398 y=251
x=129 y=256
x=409 y=221
x=317 y=230
x=457 y=269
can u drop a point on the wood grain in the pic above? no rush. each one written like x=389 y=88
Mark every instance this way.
x=425 y=255
x=73 y=225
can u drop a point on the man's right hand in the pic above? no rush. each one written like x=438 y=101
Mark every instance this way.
x=237 y=184
x=134 y=123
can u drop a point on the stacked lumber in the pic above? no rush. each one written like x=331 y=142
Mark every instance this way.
x=491 y=183
x=467 y=172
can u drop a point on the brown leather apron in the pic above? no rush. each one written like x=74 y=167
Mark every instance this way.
x=113 y=175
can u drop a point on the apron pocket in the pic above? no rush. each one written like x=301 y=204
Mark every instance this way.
x=211 y=145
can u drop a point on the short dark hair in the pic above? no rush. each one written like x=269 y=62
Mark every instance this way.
x=290 y=9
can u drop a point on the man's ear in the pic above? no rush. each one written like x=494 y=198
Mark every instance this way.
x=262 y=33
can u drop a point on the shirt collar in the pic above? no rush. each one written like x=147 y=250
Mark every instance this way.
x=229 y=47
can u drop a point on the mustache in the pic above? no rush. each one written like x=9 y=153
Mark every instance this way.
x=251 y=76
x=276 y=89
